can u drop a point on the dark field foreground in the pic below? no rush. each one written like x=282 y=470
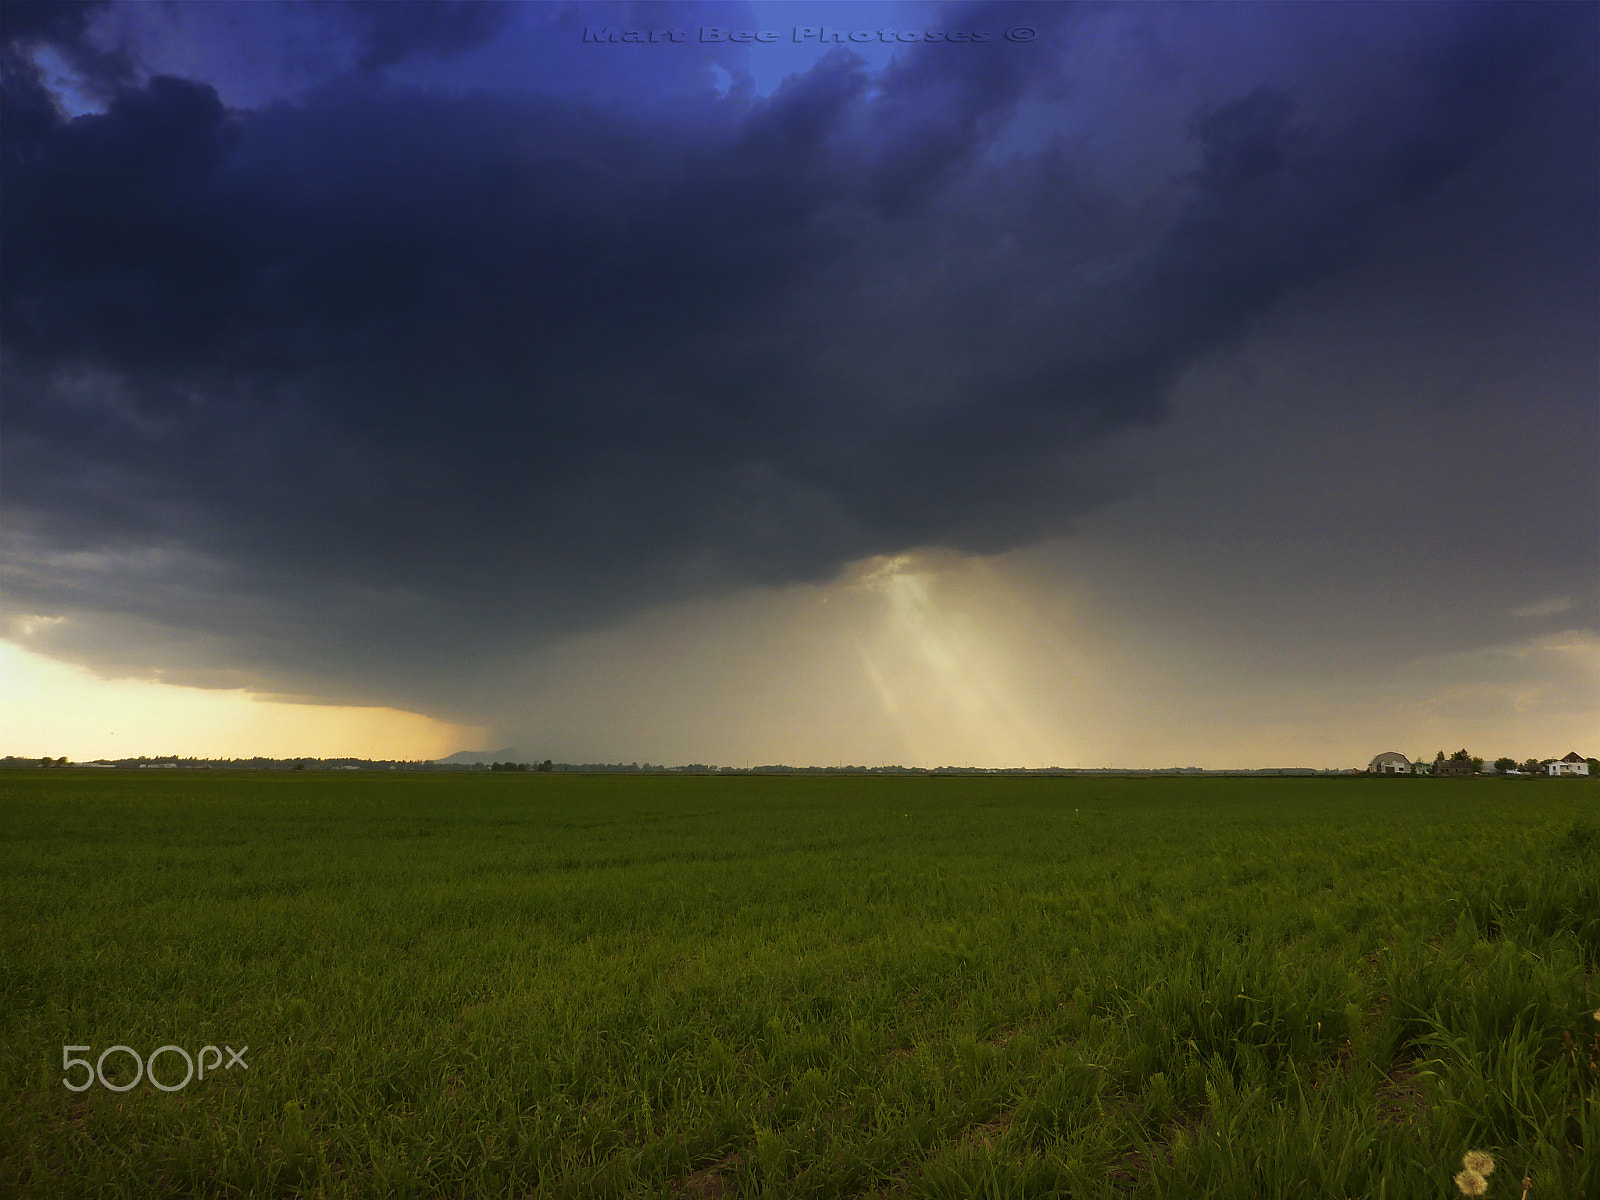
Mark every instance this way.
x=529 y=985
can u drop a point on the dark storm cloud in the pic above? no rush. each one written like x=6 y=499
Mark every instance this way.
x=442 y=28
x=63 y=27
x=56 y=22
x=371 y=384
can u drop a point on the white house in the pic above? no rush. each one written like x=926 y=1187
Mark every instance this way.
x=1390 y=762
x=1572 y=764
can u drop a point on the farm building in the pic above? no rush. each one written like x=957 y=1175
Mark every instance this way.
x=1572 y=764
x=1390 y=762
x=1454 y=766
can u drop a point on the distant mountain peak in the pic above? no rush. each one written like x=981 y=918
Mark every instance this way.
x=481 y=756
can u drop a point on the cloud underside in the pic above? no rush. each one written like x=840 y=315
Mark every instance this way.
x=386 y=376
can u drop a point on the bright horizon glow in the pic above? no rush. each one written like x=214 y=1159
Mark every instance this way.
x=924 y=659
x=53 y=708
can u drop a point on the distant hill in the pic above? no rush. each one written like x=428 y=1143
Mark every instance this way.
x=467 y=757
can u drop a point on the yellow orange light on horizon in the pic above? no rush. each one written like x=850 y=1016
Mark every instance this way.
x=56 y=709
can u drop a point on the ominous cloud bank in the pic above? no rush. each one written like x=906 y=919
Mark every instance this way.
x=367 y=386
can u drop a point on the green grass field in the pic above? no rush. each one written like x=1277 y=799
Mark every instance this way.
x=546 y=985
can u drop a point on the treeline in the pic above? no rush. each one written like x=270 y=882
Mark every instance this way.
x=173 y=761
x=1463 y=762
x=1535 y=766
x=783 y=769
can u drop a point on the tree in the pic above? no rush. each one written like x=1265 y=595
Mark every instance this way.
x=1533 y=767
x=547 y=765
x=1505 y=764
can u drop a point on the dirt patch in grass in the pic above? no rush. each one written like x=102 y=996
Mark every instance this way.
x=987 y=1133
x=1400 y=1099
x=1136 y=1164
x=1033 y=1026
x=711 y=1181
x=1129 y=1170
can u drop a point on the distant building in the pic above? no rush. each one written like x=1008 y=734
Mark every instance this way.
x=1453 y=766
x=1572 y=764
x=1390 y=762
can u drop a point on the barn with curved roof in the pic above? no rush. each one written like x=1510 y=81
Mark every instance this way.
x=1390 y=762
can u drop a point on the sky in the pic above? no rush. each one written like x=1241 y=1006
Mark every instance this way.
x=938 y=384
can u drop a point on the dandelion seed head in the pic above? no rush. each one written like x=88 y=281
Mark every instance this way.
x=1478 y=1162
x=1471 y=1183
